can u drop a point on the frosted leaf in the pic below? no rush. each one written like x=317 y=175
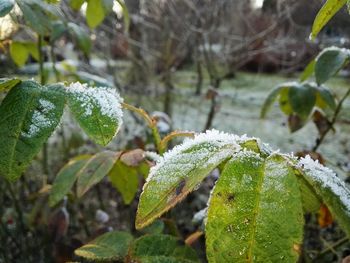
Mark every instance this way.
x=334 y=48
x=97 y=109
x=29 y=114
x=179 y=155
x=330 y=189
x=107 y=99
x=247 y=205
x=327 y=179
x=41 y=118
x=152 y=156
x=182 y=169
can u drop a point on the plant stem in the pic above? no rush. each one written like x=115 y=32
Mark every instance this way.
x=332 y=247
x=41 y=60
x=45 y=161
x=333 y=121
x=174 y=134
x=53 y=60
x=152 y=124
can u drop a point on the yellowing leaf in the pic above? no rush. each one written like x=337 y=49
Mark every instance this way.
x=328 y=10
x=95 y=170
x=19 y=53
x=95 y=13
x=107 y=247
x=125 y=179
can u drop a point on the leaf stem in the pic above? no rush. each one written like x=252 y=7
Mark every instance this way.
x=45 y=161
x=174 y=134
x=333 y=121
x=53 y=60
x=152 y=124
x=41 y=60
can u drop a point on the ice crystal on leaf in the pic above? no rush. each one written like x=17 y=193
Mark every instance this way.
x=40 y=119
x=97 y=109
x=182 y=156
x=327 y=179
x=107 y=99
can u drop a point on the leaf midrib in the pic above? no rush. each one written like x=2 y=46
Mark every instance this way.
x=256 y=212
x=13 y=149
x=181 y=196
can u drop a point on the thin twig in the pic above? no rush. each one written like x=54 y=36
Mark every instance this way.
x=333 y=121
x=174 y=134
x=150 y=122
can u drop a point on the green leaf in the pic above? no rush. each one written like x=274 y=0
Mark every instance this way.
x=7 y=84
x=311 y=202
x=6 y=6
x=308 y=71
x=125 y=179
x=97 y=110
x=330 y=189
x=19 y=53
x=157 y=227
x=328 y=10
x=270 y=100
x=58 y=30
x=34 y=14
x=93 y=80
x=302 y=98
x=325 y=97
x=28 y=116
x=180 y=171
x=107 y=247
x=82 y=37
x=161 y=249
x=95 y=13
x=255 y=212
x=107 y=6
x=329 y=62
x=33 y=50
x=284 y=102
x=95 y=170
x=76 y=4
x=66 y=178
x=295 y=123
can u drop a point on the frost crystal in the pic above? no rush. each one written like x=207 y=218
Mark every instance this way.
x=40 y=119
x=334 y=48
x=213 y=146
x=327 y=178
x=106 y=99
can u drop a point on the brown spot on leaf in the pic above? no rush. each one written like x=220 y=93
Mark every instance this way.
x=180 y=187
x=297 y=248
x=231 y=197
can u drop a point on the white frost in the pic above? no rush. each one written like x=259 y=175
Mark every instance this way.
x=106 y=99
x=40 y=119
x=327 y=178
x=178 y=163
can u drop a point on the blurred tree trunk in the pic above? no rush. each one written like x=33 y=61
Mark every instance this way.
x=199 y=83
x=137 y=73
x=169 y=87
x=199 y=69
